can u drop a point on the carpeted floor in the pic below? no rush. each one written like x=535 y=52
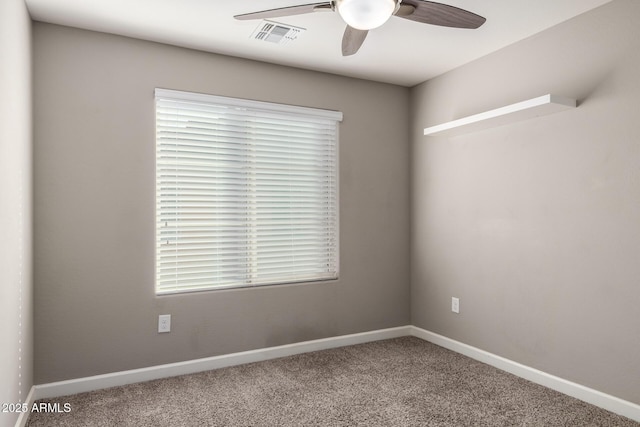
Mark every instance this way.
x=398 y=382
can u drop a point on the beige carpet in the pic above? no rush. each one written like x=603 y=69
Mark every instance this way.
x=398 y=382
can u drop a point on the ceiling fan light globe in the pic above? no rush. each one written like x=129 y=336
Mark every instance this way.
x=365 y=14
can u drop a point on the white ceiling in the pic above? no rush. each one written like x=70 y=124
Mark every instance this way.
x=401 y=52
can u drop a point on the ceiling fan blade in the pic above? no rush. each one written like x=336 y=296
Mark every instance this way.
x=287 y=11
x=433 y=13
x=352 y=40
x=404 y=10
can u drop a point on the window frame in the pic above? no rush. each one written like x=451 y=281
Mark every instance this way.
x=250 y=105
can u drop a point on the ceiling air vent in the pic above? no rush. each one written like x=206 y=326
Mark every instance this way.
x=276 y=32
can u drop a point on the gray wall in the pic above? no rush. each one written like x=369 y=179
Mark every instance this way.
x=16 y=354
x=535 y=226
x=95 y=308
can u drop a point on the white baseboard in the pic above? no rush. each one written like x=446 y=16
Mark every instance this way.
x=24 y=416
x=81 y=385
x=586 y=394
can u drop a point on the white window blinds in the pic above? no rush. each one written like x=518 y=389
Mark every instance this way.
x=246 y=193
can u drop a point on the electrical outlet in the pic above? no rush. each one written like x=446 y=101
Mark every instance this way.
x=164 y=323
x=455 y=305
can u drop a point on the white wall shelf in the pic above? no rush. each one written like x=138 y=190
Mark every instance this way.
x=540 y=106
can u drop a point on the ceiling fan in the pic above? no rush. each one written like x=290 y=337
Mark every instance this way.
x=364 y=15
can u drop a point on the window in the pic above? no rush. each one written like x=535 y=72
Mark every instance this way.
x=246 y=193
